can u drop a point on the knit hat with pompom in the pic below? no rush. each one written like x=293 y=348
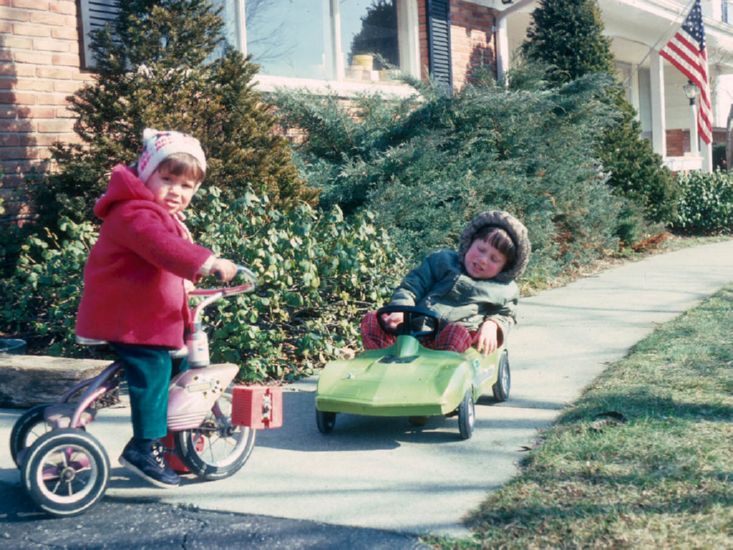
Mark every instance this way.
x=159 y=145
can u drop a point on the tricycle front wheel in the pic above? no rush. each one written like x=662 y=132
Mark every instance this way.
x=217 y=448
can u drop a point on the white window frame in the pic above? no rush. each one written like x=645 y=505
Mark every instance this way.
x=408 y=43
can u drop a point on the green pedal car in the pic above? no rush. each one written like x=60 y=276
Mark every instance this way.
x=407 y=379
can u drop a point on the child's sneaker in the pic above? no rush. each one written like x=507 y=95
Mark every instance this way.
x=146 y=460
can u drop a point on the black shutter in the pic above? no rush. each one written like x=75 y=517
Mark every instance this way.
x=439 y=42
x=94 y=15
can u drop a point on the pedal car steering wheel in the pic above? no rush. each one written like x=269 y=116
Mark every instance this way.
x=419 y=321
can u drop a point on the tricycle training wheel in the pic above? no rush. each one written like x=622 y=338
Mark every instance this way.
x=217 y=448
x=504 y=379
x=466 y=415
x=30 y=426
x=325 y=421
x=65 y=472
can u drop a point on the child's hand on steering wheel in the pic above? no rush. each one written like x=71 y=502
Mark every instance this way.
x=394 y=319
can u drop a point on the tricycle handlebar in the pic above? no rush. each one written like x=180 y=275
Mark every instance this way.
x=248 y=286
x=214 y=294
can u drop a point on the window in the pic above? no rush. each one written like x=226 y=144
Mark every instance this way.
x=352 y=41
x=369 y=39
x=287 y=37
x=358 y=41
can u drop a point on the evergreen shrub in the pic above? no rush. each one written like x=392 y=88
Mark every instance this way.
x=566 y=38
x=705 y=204
x=38 y=301
x=165 y=65
x=428 y=166
x=319 y=273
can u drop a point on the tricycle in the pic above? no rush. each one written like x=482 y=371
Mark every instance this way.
x=211 y=422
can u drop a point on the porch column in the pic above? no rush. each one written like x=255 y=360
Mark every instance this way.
x=707 y=157
x=659 y=122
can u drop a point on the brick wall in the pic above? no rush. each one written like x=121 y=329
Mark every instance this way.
x=472 y=40
x=678 y=141
x=39 y=68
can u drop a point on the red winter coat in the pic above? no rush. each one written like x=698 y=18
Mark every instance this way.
x=134 y=277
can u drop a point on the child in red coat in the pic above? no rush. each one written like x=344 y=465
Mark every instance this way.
x=135 y=283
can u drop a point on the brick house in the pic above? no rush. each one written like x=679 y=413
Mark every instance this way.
x=322 y=45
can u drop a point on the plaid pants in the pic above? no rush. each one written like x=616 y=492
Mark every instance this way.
x=453 y=337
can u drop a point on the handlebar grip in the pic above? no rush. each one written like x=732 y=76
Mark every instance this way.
x=241 y=270
x=247 y=273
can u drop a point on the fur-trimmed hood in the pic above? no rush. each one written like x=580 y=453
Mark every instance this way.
x=517 y=232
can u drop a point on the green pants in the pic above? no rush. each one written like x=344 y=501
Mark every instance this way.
x=148 y=370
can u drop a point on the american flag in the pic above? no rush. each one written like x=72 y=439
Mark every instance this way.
x=686 y=51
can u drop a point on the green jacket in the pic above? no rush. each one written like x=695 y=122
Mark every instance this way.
x=441 y=284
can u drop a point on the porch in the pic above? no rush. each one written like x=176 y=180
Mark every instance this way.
x=638 y=29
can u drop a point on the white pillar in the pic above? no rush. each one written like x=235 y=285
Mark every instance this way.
x=694 y=140
x=707 y=158
x=241 y=26
x=502 y=51
x=659 y=123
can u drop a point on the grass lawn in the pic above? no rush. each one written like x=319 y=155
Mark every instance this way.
x=643 y=460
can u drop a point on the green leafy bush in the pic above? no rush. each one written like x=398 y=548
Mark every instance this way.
x=705 y=203
x=40 y=299
x=318 y=275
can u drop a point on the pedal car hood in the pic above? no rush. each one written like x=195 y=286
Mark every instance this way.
x=386 y=383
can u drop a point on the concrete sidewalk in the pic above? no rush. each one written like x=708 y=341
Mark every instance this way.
x=382 y=473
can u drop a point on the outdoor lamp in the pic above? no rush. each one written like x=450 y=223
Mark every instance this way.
x=690 y=91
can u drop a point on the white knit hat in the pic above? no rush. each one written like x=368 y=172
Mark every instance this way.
x=159 y=145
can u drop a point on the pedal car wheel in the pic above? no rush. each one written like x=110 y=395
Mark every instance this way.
x=325 y=421
x=466 y=415
x=217 y=448
x=30 y=426
x=65 y=472
x=504 y=379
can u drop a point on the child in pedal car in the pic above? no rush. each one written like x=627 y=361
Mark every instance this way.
x=472 y=290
